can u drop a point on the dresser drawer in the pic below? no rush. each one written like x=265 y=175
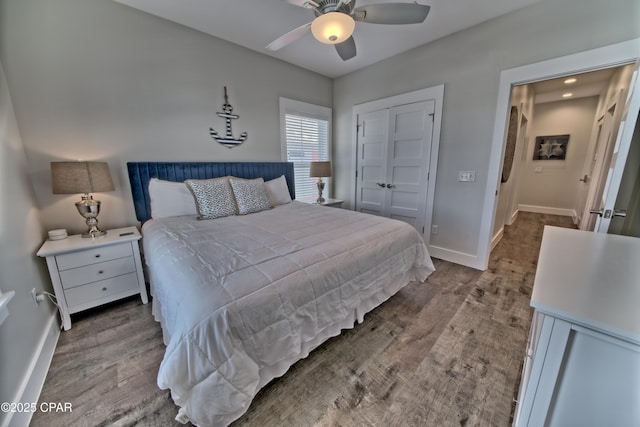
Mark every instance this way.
x=94 y=272
x=93 y=255
x=81 y=295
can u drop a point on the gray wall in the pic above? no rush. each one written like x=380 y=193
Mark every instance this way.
x=469 y=63
x=20 y=270
x=99 y=80
x=96 y=79
x=523 y=98
x=556 y=186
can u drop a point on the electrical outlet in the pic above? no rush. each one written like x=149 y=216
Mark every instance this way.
x=38 y=297
x=434 y=229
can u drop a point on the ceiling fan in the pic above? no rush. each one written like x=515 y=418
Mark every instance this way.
x=336 y=19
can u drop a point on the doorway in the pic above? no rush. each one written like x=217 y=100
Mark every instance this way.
x=606 y=57
x=586 y=108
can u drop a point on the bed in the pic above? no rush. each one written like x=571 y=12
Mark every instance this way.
x=241 y=298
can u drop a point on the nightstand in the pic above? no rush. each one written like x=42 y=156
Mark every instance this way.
x=88 y=272
x=334 y=203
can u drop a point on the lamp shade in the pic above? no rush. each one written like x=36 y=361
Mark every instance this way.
x=320 y=169
x=333 y=27
x=80 y=177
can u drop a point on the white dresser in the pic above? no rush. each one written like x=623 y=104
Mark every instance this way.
x=87 y=272
x=582 y=366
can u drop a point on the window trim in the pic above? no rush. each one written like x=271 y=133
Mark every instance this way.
x=291 y=106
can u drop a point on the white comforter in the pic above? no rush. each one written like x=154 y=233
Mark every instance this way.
x=242 y=298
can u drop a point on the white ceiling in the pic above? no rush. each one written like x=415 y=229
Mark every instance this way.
x=586 y=84
x=256 y=23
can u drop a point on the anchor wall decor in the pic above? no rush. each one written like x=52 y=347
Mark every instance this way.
x=227 y=140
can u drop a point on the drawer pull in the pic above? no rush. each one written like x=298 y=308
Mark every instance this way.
x=97 y=255
x=101 y=271
x=104 y=288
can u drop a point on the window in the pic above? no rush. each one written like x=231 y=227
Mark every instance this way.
x=305 y=134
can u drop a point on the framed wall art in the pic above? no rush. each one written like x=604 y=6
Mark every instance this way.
x=552 y=147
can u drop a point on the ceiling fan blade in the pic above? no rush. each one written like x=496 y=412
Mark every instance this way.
x=289 y=37
x=346 y=49
x=307 y=4
x=391 y=13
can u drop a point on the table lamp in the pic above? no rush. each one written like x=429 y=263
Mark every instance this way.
x=83 y=177
x=320 y=170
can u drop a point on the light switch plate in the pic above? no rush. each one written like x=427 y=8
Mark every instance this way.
x=466 y=176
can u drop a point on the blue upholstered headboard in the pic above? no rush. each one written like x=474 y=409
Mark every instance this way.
x=141 y=172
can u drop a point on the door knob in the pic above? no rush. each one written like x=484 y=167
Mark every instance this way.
x=391 y=186
x=584 y=179
x=607 y=213
x=381 y=185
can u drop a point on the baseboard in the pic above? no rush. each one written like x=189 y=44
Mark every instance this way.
x=456 y=257
x=31 y=386
x=514 y=216
x=576 y=219
x=547 y=210
x=496 y=239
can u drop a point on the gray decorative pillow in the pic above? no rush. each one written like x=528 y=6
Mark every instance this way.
x=214 y=198
x=251 y=195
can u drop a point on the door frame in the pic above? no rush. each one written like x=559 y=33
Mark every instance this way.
x=595 y=59
x=437 y=94
x=588 y=169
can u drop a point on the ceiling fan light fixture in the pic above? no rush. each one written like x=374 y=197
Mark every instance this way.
x=333 y=27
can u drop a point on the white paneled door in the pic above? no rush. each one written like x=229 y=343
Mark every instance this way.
x=394 y=154
x=610 y=206
x=373 y=134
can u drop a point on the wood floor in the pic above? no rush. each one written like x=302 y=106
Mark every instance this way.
x=447 y=352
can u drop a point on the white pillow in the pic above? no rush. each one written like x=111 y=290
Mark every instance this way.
x=251 y=195
x=214 y=198
x=278 y=191
x=170 y=199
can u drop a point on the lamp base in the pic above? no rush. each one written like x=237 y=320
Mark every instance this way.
x=94 y=232
x=90 y=209
x=320 y=185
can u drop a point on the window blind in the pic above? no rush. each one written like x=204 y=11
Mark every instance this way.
x=307 y=141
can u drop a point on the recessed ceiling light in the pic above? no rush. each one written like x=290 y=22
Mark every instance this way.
x=567 y=95
x=571 y=80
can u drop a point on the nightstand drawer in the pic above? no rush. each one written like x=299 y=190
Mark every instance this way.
x=93 y=255
x=94 y=272
x=81 y=295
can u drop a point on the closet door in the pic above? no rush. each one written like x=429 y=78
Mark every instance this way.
x=373 y=134
x=408 y=156
x=394 y=149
